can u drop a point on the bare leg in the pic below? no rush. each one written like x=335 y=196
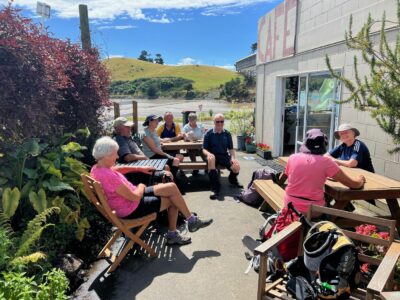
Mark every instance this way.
x=172 y=213
x=171 y=192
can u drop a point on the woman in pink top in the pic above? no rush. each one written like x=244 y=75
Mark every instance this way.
x=308 y=170
x=131 y=201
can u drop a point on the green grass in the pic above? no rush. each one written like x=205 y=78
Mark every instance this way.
x=204 y=77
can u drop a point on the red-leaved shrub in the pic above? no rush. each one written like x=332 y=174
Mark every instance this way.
x=47 y=85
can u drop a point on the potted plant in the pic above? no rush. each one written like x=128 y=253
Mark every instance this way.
x=264 y=150
x=241 y=125
x=250 y=144
x=367 y=270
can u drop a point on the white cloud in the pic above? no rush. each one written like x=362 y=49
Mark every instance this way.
x=103 y=9
x=188 y=61
x=115 y=56
x=117 y=27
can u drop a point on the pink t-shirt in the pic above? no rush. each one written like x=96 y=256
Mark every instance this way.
x=111 y=180
x=306 y=178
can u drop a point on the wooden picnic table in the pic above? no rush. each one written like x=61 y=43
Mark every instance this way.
x=158 y=164
x=198 y=145
x=376 y=187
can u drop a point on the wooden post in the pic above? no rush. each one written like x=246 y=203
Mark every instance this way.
x=135 y=117
x=116 y=110
x=84 y=26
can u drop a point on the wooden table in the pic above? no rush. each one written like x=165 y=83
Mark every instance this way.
x=375 y=187
x=198 y=145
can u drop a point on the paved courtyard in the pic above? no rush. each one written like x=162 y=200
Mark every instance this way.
x=212 y=267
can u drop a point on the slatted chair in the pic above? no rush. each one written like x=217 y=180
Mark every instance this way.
x=95 y=194
x=380 y=282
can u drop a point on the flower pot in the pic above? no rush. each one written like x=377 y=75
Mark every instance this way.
x=251 y=148
x=264 y=154
x=240 y=143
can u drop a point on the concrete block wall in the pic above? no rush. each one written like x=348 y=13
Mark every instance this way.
x=268 y=117
x=322 y=22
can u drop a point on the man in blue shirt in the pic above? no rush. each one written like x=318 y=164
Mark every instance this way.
x=351 y=153
x=218 y=147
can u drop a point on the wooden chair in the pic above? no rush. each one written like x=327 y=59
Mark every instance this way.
x=382 y=279
x=95 y=194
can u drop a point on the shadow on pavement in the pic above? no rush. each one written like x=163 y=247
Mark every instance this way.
x=138 y=271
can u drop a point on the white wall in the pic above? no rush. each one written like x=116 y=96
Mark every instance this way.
x=313 y=42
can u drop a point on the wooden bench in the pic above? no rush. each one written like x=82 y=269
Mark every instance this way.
x=381 y=282
x=197 y=165
x=271 y=192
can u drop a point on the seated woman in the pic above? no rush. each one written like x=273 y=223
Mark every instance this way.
x=351 y=153
x=308 y=170
x=131 y=201
x=152 y=144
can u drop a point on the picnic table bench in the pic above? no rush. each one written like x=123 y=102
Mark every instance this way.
x=271 y=192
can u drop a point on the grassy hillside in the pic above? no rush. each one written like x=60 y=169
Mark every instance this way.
x=204 y=77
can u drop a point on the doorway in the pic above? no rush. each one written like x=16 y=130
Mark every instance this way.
x=317 y=107
x=291 y=86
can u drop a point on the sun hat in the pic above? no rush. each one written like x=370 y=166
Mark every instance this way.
x=151 y=118
x=315 y=142
x=122 y=121
x=344 y=127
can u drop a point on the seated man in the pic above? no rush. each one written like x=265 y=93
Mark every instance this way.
x=218 y=147
x=128 y=150
x=352 y=153
x=170 y=132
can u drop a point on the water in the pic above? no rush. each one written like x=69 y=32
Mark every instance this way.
x=176 y=106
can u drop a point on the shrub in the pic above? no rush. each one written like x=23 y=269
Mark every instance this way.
x=16 y=285
x=53 y=86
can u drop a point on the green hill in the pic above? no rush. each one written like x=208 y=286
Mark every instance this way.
x=204 y=77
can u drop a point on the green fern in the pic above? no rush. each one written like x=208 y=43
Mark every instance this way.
x=34 y=230
x=24 y=260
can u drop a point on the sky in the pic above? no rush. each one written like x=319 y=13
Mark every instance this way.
x=206 y=32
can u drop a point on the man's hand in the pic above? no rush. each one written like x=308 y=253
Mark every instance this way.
x=234 y=162
x=210 y=156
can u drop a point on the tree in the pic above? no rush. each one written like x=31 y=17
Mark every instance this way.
x=159 y=60
x=379 y=92
x=254 y=47
x=145 y=56
x=53 y=86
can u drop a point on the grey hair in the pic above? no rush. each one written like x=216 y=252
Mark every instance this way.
x=218 y=116
x=104 y=146
x=192 y=117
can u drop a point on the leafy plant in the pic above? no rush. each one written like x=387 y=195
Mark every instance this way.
x=379 y=91
x=53 y=85
x=18 y=286
x=263 y=147
x=39 y=175
x=241 y=122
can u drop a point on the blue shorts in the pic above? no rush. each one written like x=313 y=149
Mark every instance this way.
x=148 y=204
x=223 y=160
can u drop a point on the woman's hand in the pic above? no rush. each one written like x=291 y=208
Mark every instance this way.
x=147 y=169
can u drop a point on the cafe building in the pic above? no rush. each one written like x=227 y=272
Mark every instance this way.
x=295 y=90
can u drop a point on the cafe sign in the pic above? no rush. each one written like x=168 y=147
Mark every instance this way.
x=276 y=33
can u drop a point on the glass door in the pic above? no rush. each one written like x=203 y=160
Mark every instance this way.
x=301 y=111
x=317 y=107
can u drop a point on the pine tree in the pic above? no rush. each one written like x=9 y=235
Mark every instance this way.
x=159 y=60
x=379 y=91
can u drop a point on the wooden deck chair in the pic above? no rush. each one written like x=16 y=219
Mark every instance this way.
x=95 y=194
x=380 y=282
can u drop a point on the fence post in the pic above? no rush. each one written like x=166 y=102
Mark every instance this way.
x=135 y=117
x=116 y=110
x=84 y=26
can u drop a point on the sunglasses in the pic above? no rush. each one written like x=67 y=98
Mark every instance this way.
x=222 y=122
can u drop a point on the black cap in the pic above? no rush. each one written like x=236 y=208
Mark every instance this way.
x=151 y=118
